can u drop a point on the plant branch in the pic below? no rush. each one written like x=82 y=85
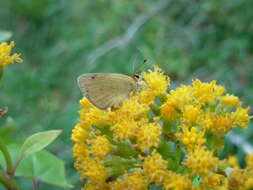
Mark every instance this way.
x=35 y=184
x=7 y=157
x=10 y=184
x=126 y=37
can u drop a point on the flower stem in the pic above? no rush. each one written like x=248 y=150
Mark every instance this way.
x=7 y=157
x=10 y=184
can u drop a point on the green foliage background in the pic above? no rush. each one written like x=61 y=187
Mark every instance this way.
x=206 y=39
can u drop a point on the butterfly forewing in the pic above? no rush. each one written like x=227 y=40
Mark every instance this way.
x=105 y=90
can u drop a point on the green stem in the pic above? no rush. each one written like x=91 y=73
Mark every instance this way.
x=10 y=184
x=35 y=184
x=7 y=157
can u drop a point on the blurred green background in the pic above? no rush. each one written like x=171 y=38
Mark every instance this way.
x=60 y=39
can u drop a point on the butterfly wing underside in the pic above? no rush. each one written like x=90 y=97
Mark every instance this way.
x=105 y=90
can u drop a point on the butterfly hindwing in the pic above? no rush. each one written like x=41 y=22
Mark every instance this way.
x=105 y=90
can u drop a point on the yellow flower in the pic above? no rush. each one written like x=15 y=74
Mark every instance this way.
x=221 y=123
x=94 y=170
x=130 y=146
x=190 y=114
x=100 y=146
x=96 y=186
x=154 y=166
x=5 y=54
x=207 y=92
x=94 y=116
x=169 y=110
x=201 y=161
x=128 y=111
x=214 y=181
x=80 y=150
x=176 y=182
x=191 y=138
x=232 y=162
x=79 y=133
x=157 y=81
x=241 y=117
x=249 y=160
x=248 y=184
x=230 y=100
x=131 y=181
x=148 y=136
x=125 y=129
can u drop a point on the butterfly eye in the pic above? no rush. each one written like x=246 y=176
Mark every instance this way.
x=137 y=76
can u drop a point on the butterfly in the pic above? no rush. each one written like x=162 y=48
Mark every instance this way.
x=105 y=90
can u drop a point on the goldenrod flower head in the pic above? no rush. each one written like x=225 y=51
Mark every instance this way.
x=167 y=138
x=154 y=167
x=125 y=129
x=241 y=117
x=190 y=114
x=80 y=150
x=134 y=181
x=91 y=185
x=148 y=136
x=214 y=181
x=79 y=133
x=157 y=80
x=232 y=162
x=207 y=92
x=169 y=109
x=221 y=123
x=176 y=182
x=230 y=100
x=5 y=54
x=249 y=160
x=94 y=170
x=191 y=138
x=100 y=146
x=201 y=161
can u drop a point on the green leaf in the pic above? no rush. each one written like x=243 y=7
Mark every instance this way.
x=44 y=166
x=38 y=141
x=5 y=35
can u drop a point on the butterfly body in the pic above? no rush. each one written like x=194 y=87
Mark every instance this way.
x=106 y=89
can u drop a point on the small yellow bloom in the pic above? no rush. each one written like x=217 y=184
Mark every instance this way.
x=80 y=150
x=233 y=162
x=131 y=181
x=79 y=133
x=94 y=170
x=129 y=110
x=176 y=182
x=214 y=181
x=100 y=146
x=125 y=129
x=5 y=54
x=207 y=92
x=241 y=117
x=249 y=160
x=157 y=81
x=190 y=114
x=148 y=136
x=169 y=110
x=91 y=185
x=221 y=123
x=201 y=161
x=154 y=166
x=191 y=138
x=230 y=100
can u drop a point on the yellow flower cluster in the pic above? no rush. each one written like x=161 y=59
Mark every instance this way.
x=5 y=54
x=161 y=137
